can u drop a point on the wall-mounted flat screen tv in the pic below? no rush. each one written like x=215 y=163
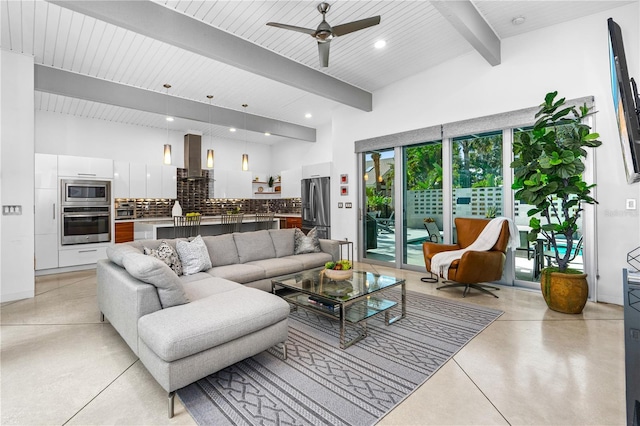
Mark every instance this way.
x=625 y=102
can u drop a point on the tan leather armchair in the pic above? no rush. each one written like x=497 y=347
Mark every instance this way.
x=473 y=267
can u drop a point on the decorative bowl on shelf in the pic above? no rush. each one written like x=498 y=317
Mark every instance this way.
x=338 y=274
x=260 y=189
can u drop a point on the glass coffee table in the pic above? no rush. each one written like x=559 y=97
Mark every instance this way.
x=350 y=301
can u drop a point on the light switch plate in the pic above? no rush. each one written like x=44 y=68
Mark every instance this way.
x=631 y=203
x=348 y=205
x=339 y=205
x=11 y=210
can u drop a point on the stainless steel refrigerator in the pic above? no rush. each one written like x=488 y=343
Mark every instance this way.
x=316 y=205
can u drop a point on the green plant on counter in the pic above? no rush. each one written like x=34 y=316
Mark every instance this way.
x=270 y=181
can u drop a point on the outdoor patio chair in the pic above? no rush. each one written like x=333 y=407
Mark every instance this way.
x=386 y=224
x=550 y=255
x=434 y=232
x=526 y=246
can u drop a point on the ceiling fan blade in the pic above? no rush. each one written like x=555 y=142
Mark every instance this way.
x=323 y=50
x=292 y=28
x=350 y=27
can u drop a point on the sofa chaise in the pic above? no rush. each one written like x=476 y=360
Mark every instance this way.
x=186 y=327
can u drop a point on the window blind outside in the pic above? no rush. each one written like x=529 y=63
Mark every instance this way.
x=513 y=119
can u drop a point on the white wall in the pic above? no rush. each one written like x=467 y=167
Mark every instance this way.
x=468 y=87
x=17 y=177
x=68 y=135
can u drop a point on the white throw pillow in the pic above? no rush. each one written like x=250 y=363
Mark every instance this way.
x=193 y=255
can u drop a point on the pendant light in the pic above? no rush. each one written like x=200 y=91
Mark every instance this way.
x=210 y=151
x=245 y=157
x=167 y=146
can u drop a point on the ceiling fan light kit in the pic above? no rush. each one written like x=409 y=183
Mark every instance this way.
x=325 y=32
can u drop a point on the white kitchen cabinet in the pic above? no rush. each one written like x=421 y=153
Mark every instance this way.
x=46 y=211
x=316 y=170
x=154 y=181
x=46 y=248
x=219 y=184
x=137 y=180
x=46 y=227
x=81 y=255
x=46 y=171
x=238 y=184
x=85 y=167
x=232 y=184
x=169 y=182
x=121 y=179
x=290 y=183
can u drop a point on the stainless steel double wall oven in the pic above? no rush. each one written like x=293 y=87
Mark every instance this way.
x=86 y=211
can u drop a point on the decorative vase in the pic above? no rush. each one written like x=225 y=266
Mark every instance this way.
x=338 y=274
x=566 y=293
x=176 y=210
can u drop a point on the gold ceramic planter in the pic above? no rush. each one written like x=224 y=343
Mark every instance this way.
x=566 y=293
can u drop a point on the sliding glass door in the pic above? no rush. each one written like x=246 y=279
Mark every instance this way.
x=477 y=183
x=379 y=218
x=422 y=198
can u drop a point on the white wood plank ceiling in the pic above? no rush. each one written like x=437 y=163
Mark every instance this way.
x=417 y=37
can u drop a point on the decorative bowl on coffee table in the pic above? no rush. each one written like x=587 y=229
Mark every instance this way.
x=338 y=274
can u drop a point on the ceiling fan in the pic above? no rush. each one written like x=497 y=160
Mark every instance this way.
x=325 y=32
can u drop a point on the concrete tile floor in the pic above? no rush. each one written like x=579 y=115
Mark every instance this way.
x=59 y=364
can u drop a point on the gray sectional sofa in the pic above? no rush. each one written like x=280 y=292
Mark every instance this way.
x=184 y=328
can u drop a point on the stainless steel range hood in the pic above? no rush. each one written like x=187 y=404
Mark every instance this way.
x=193 y=156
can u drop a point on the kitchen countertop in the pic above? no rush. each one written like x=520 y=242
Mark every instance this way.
x=209 y=225
x=203 y=219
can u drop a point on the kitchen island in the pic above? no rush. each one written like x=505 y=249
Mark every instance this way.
x=209 y=225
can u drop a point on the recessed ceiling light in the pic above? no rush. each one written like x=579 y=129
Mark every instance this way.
x=169 y=118
x=267 y=134
x=380 y=44
x=518 y=20
x=233 y=129
x=308 y=115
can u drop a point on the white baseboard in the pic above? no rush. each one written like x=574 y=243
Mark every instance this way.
x=17 y=296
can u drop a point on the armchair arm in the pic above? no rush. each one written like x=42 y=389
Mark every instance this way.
x=429 y=248
x=479 y=266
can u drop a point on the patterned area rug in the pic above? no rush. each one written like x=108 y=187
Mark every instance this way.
x=321 y=384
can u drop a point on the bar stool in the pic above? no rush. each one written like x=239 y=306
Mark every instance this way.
x=231 y=223
x=186 y=226
x=264 y=220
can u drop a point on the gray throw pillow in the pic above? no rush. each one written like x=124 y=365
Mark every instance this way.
x=306 y=244
x=155 y=272
x=193 y=255
x=168 y=255
x=117 y=253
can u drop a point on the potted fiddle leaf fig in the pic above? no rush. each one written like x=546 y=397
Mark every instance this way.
x=548 y=166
